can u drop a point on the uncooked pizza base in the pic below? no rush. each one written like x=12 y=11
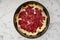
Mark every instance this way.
x=38 y=30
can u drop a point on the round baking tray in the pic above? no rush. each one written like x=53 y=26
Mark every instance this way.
x=44 y=9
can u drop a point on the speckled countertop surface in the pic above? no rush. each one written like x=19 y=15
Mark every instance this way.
x=7 y=29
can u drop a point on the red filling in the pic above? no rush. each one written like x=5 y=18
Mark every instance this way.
x=30 y=21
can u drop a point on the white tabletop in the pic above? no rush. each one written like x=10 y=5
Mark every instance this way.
x=7 y=29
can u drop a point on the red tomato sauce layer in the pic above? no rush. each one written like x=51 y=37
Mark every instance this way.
x=31 y=19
